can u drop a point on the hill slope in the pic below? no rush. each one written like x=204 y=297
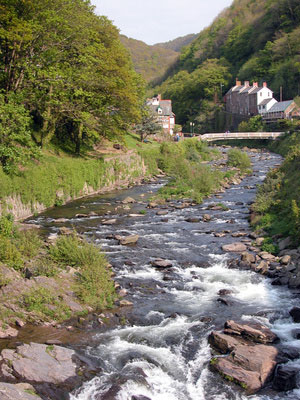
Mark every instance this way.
x=254 y=40
x=178 y=43
x=152 y=62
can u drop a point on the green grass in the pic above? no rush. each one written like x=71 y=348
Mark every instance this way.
x=93 y=284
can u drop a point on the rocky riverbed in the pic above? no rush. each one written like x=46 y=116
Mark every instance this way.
x=187 y=270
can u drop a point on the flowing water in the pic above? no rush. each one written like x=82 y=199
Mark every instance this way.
x=162 y=352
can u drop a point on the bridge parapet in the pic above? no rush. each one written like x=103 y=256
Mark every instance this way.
x=210 y=137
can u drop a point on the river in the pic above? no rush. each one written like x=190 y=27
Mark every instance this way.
x=160 y=351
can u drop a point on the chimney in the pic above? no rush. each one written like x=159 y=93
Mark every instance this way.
x=237 y=82
x=247 y=83
x=265 y=84
x=255 y=84
x=159 y=97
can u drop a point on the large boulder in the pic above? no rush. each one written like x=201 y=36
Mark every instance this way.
x=44 y=364
x=236 y=247
x=7 y=332
x=295 y=314
x=222 y=342
x=256 y=332
x=285 y=378
x=125 y=240
x=248 y=380
x=17 y=392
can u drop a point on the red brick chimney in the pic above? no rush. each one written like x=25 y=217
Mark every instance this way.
x=255 y=84
x=159 y=97
x=237 y=82
x=265 y=84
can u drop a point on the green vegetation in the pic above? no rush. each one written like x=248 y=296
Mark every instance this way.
x=277 y=204
x=93 y=284
x=65 y=78
x=151 y=62
x=255 y=124
x=25 y=251
x=183 y=162
x=253 y=40
x=44 y=303
x=239 y=159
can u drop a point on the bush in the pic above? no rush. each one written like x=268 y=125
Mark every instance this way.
x=9 y=254
x=7 y=227
x=239 y=159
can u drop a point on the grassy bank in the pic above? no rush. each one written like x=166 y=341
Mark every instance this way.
x=277 y=205
x=71 y=276
x=58 y=178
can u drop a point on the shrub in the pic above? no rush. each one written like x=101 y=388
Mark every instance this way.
x=7 y=228
x=9 y=254
x=238 y=159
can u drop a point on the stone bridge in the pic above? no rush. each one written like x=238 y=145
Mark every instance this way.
x=210 y=137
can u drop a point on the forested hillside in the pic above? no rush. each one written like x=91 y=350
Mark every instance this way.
x=178 y=43
x=254 y=40
x=149 y=61
x=65 y=77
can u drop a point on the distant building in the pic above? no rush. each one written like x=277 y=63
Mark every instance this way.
x=282 y=110
x=246 y=100
x=163 y=109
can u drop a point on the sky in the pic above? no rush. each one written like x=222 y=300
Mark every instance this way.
x=160 y=21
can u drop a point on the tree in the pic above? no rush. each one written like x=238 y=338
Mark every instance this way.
x=149 y=124
x=16 y=146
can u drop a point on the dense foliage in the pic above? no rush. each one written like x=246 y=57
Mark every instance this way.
x=64 y=76
x=278 y=201
x=254 y=40
x=151 y=62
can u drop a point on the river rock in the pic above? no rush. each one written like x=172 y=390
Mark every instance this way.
x=262 y=267
x=224 y=292
x=236 y=247
x=192 y=219
x=266 y=256
x=249 y=380
x=248 y=257
x=39 y=363
x=125 y=303
x=162 y=212
x=81 y=215
x=7 y=331
x=139 y=397
x=252 y=330
x=285 y=378
x=285 y=259
x=128 y=200
x=284 y=243
x=206 y=218
x=295 y=314
x=161 y=263
x=222 y=342
x=125 y=240
x=239 y=234
x=259 y=241
x=109 y=221
x=9 y=391
x=219 y=234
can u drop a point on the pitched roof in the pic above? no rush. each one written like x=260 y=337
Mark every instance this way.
x=256 y=90
x=281 y=106
x=165 y=105
x=266 y=101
